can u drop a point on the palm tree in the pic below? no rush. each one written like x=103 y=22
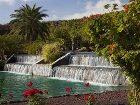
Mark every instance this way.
x=107 y=6
x=115 y=7
x=28 y=22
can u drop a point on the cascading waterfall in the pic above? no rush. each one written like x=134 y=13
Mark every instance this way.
x=84 y=67
x=26 y=64
x=29 y=59
x=90 y=60
x=42 y=69
x=18 y=68
x=94 y=74
x=87 y=67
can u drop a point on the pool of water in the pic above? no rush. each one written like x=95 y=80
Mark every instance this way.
x=16 y=84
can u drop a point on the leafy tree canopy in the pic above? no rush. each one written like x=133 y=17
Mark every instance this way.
x=28 y=22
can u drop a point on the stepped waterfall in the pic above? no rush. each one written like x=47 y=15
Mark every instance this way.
x=31 y=59
x=89 y=60
x=89 y=67
x=27 y=64
x=79 y=66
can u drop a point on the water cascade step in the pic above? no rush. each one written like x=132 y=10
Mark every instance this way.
x=27 y=64
x=90 y=67
x=29 y=59
x=89 y=60
x=104 y=75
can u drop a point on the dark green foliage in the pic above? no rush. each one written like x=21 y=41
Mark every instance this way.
x=10 y=44
x=116 y=36
x=4 y=29
x=34 y=48
x=71 y=32
x=2 y=63
x=28 y=23
x=134 y=97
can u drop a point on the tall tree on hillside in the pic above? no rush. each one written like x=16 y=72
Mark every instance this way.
x=28 y=22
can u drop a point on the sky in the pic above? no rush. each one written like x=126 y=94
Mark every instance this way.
x=58 y=9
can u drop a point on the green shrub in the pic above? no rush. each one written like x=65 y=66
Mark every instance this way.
x=116 y=36
x=134 y=97
x=52 y=51
x=10 y=44
x=35 y=47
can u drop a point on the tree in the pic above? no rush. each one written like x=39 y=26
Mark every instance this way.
x=28 y=23
x=107 y=6
x=10 y=44
x=116 y=36
x=75 y=33
x=58 y=31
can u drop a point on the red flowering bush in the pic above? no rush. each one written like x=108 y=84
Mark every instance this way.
x=34 y=95
x=32 y=92
x=87 y=84
x=30 y=84
x=89 y=99
x=68 y=90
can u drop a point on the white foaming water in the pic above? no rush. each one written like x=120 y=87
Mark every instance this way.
x=89 y=67
x=28 y=59
x=26 y=64
x=36 y=69
x=90 y=60
x=109 y=76
x=73 y=80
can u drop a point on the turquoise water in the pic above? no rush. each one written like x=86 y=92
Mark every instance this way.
x=16 y=84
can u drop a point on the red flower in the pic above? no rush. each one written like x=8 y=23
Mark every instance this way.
x=32 y=92
x=35 y=90
x=87 y=84
x=29 y=92
x=86 y=97
x=30 y=84
x=46 y=91
x=68 y=89
x=92 y=97
x=25 y=95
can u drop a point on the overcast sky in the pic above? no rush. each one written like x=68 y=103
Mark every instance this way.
x=58 y=9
